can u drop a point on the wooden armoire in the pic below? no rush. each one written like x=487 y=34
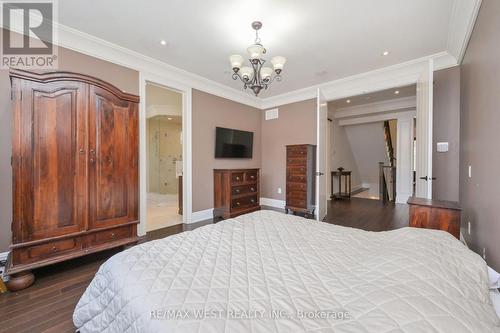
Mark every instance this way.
x=75 y=169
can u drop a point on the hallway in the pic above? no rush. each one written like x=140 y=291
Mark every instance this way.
x=367 y=214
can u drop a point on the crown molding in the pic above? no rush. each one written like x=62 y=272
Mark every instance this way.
x=398 y=75
x=84 y=43
x=377 y=118
x=463 y=19
x=462 y=22
x=392 y=105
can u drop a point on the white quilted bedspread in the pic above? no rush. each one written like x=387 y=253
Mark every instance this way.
x=271 y=272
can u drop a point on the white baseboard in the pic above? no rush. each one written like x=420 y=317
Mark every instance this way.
x=201 y=215
x=366 y=185
x=273 y=203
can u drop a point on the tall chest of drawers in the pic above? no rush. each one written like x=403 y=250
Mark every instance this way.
x=236 y=192
x=300 y=178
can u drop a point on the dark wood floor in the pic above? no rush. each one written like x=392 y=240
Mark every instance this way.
x=367 y=214
x=48 y=305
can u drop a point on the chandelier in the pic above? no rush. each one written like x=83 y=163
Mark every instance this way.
x=258 y=76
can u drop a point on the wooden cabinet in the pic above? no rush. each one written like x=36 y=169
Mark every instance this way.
x=435 y=214
x=300 y=179
x=236 y=192
x=74 y=164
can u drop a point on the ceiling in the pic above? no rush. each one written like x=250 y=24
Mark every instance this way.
x=323 y=40
x=374 y=97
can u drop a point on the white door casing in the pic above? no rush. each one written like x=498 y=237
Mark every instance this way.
x=424 y=132
x=321 y=156
x=145 y=78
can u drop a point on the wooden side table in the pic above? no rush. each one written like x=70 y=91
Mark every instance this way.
x=435 y=214
x=347 y=184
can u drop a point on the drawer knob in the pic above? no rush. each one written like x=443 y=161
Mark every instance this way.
x=252 y=189
x=54 y=248
x=237 y=178
x=237 y=191
x=237 y=203
x=113 y=235
x=252 y=200
x=253 y=177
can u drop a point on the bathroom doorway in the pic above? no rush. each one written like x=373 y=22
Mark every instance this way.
x=164 y=157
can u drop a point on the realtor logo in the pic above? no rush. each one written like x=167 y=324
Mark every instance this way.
x=29 y=36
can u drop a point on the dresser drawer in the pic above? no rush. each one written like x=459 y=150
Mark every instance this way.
x=110 y=235
x=296 y=151
x=296 y=203
x=296 y=186
x=251 y=176
x=244 y=189
x=294 y=169
x=237 y=177
x=301 y=195
x=244 y=202
x=296 y=178
x=51 y=249
x=298 y=161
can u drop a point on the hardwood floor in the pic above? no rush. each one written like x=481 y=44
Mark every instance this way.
x=367 y=214
x=48 y=305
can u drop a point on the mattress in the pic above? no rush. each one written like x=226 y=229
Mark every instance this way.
x=271 y=272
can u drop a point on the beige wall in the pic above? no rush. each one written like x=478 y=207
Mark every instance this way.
x=446 y=128
x=296 y=125
x=123 y=78
x=480 y=134
x=341 y=155
x=367 y=144
x=210 y=111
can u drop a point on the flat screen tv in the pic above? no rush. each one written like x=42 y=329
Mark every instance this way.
x=232 y=143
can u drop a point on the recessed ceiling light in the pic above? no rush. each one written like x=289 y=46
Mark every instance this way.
x=385 y=53
x=397 y=92
x=163 y=42
x=348 y=101
x=169 y=118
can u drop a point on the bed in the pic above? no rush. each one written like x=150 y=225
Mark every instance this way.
x=271 y=272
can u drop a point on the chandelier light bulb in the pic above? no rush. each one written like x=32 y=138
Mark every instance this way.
x=246 y=73
x=236 y=61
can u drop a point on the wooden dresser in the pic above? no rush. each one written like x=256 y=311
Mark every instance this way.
x=435 y=214
x=236 y=192
x=75 y=169
x=300 y=179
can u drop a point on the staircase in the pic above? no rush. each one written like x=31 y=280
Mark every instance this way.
x=387 y=173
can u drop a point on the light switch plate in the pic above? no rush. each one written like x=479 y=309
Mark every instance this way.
x=442 y=147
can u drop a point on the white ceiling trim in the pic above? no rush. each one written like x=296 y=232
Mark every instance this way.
x=377 y=118
x=377 y=107
x=380 y=79
x=90 y=45
x=464 y=15
x=463 y=19
x=163 y=110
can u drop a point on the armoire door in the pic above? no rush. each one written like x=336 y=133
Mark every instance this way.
x=113 y=159
x=49 y=159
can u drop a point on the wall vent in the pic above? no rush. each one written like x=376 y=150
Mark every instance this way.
x=272 y=114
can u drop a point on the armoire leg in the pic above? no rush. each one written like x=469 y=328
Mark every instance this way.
x=20 y=281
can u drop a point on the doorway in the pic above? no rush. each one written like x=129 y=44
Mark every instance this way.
x=164 y=157
x=372 y=139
